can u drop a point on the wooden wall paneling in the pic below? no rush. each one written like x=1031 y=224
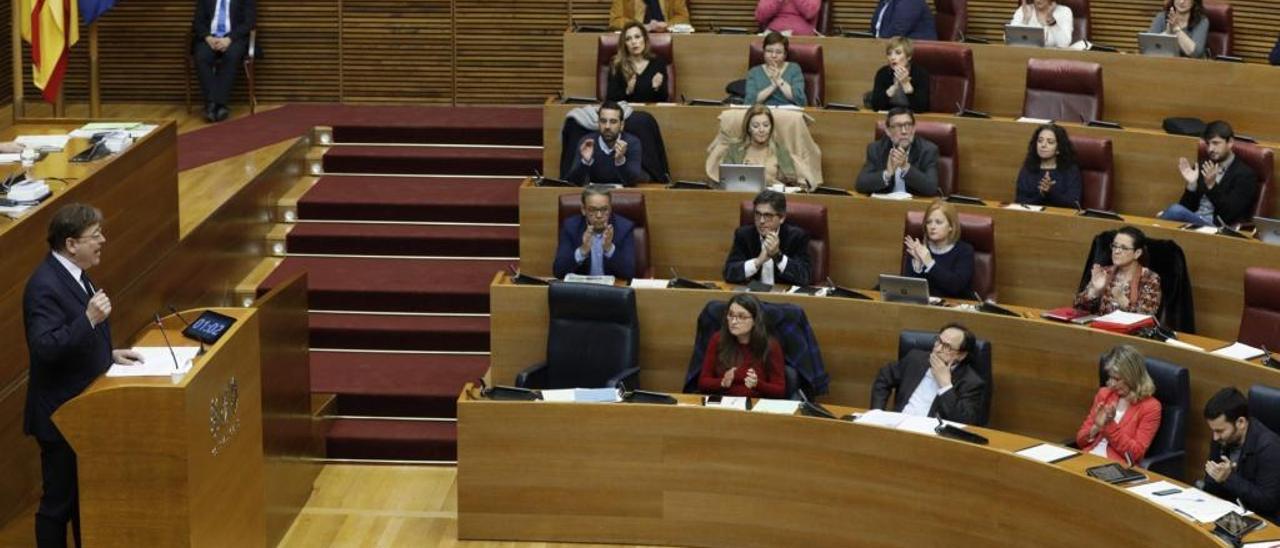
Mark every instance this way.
x=509 y=51
x=396 y=51
x=299 y=56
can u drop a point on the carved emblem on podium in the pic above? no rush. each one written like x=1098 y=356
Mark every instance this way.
x=224 y=415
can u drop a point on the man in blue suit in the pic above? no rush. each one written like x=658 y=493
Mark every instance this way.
x=69 y=340
x=608 y=155
x=910 y=18
x=220 y=34
x=597 y=242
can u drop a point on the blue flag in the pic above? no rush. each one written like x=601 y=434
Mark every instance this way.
x=91 y=10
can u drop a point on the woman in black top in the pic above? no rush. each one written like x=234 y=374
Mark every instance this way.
x=900 y=83
x=941 y=257
x=636 y=75
x=1049 y=175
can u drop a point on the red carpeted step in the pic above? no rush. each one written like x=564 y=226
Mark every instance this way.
x=404 y=239
x=400 y=332
x=395 y=385
x=492 y=126
x=443 y=160
x=388 y=439
x=440 y=199
x=391 y=284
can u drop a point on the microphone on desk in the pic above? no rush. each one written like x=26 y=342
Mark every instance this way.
x=173 y=354
x=175 y=312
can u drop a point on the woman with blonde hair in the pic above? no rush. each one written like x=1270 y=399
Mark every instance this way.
x=940 y=256
x=1125 y=415
x=636 y=75
x=758 y=147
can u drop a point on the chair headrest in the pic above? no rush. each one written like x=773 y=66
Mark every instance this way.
x=808 y=216
x=1092 y=152
x=1262 y=288
x=1064 y=75
x=592 y=302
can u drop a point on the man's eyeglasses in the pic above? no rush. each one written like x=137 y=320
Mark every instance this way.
x=597 y=210
x=96 y=235
x=902 y=127
x=939 y=342
x=766 y=216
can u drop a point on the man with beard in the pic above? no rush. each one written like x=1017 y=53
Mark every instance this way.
x=1223 y=187
x=1244 y=457
x=608 y=155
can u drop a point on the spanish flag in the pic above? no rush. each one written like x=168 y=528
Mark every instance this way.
x=51 y=27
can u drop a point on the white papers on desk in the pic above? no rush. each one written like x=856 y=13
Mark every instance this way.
x=157 y=361
x=10 y=158
x=777 y=407
x=1025 y=207
x=729 y=402
x=47 y=143
x=650 y=283
x=1037 y=121
x=1191 y=502
x=1047 y=453
x=1262 y=544
x=582 y=395
x=1122 y=318
x=900 y=421
x=134 y=129
x=1205 y=229
x=584 y=279
x=1239 y=351
x=892 y=196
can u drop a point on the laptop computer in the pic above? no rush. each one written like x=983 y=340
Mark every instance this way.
x=1158 y=44
x=742 y=177
x=1018 y=35
x=1268 y=230
x=903 y=289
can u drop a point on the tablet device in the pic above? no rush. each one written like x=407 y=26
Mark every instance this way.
x=1158 y=44
x=742 y=178
x=1018 y=35
x=209 y=327
x=904 y=289
x=1268 y=229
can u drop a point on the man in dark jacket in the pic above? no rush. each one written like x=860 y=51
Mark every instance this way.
x=941 y=383
x=769 y=250
x=220 y=30
x=1244 y=457
x=1223 y=188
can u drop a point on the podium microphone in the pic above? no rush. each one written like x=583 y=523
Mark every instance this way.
x=173 y=354
x=175 y=312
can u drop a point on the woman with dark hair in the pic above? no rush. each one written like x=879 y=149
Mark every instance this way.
x=1125 y=414
x=742 y=359
x=1049 y=174
x=636 y=75
x=1184 y=19
x=776 y=81
x=1126 y=284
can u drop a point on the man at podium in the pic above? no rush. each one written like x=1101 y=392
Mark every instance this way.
x=69 y=340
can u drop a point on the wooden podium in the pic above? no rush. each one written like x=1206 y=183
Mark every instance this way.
x=174 y=463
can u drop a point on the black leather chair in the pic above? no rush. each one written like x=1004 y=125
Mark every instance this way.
x=1164 y=257
x=1168 y=450
x=1264 y=405
x=593 y=340
x=909 y=340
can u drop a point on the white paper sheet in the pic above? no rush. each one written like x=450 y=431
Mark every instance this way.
x=1046 y=452
x=44 y=142
x=1239 y=351
x=157 y=361
x=730 y=402
x=777 y=407
x=1180 y=344
x=1191 y=502
x=650 y=283
x=1025 y=207
x=892 y=196
x=581 y=395
x=1123 y=318
x=584 y=279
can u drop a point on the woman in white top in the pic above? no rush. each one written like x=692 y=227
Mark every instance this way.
x=1053 y=17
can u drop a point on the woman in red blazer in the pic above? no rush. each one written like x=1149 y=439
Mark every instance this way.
x=742 y=359
x=1125 y=416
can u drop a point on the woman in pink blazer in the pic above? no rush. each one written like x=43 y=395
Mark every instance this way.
x=1125 y=415
x=798 y=16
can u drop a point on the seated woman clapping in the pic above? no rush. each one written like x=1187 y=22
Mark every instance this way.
x=636 y=75
x=742 y=359
x=1126 y=284
x=1125 y=415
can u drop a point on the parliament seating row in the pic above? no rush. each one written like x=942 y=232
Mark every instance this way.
x=1131 y=172
x=1137 y=92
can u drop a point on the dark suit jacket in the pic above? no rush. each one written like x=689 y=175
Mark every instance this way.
x=66 y=352
x=910 y=18
x=244 y=17
x=1256 y=479
x=1232 y=198
x=793 y=242
x=922 y=178
x=963 y=403
x=602 y=170
x=621 y=265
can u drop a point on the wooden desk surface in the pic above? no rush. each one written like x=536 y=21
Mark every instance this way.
x=1045 y=373
x=1040 y=256
x=1139 y=91
x=695 y=476
x=991 y=151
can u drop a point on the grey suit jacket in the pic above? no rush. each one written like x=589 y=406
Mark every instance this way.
x=921 y=178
